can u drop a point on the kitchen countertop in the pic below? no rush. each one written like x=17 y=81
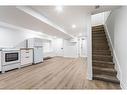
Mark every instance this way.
x=8 y=49
x=25 y=48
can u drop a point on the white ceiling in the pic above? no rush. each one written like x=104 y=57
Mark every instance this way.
x=70 y=15
x=14 y=16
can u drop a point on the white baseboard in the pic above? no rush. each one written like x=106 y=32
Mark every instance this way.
x=89 y=77
x=123 y=85
x=115 y=59
x=70 y=56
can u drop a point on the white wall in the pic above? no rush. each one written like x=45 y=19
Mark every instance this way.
x=70 y=49
x=67 y=48
x=12 y=38
x=116 y=25
x=89 y=47
x=100 y=18
x=48 y=48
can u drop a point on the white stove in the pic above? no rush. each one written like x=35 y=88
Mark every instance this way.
x=10 y=59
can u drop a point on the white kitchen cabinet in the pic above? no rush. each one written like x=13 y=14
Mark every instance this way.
x=34 y=42
x=26 y=57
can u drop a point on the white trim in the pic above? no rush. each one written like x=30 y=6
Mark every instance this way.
x=115 y=59
x=123 y=85
x=89 y=50
x=71 y=56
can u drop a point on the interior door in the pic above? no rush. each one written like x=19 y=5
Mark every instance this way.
x=83 y=47
x=59 y=47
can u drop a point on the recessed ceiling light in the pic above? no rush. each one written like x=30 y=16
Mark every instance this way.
x=73 y=26
x=59 y=8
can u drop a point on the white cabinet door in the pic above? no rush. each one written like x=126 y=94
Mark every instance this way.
x=29 y=56
x=38 y=42
x=26 y=57
x=23 y=57
x=35 y=42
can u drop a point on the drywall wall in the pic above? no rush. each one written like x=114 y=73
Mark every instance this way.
x=97 y=19
x=65 y=48
x=89 y=47
x=100 y=18
x=10 y=38
x=70 y=49
x=62 y=47
x=116 y=28
x=13 y=38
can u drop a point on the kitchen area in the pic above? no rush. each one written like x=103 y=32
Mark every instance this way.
x=28 y=41
x=12 y=58
x=34 y=50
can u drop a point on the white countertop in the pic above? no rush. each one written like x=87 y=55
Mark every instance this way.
x=10 y=49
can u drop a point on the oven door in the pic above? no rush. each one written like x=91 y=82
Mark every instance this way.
x=10 y=57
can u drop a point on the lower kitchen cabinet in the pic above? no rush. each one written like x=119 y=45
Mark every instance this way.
x=26 y=57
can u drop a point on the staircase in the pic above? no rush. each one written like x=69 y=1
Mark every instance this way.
x=102 y=60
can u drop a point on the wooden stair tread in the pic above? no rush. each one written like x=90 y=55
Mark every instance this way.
x=102 y=56
x=101 y=32
x=105 y=51
x=101 y=53
x=105 y=58
x=98 y=26
x=104 y=69
x=106 y=78
x=98 y=35
x=102 y=50
x=103 y=62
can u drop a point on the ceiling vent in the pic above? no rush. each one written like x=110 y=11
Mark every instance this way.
x=97 y=7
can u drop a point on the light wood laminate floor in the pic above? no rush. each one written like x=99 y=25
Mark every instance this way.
x=55 y=73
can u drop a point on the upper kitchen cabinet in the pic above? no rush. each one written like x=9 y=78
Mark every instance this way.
x=32 y=42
